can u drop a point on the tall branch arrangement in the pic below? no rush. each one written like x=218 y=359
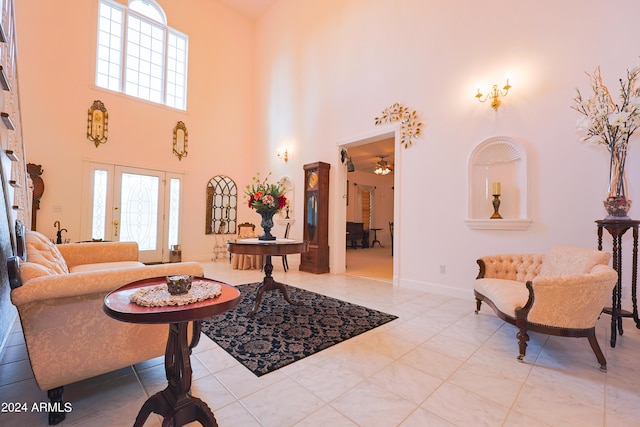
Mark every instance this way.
x=610 y=123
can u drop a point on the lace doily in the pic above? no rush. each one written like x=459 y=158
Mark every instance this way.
x=159 y=296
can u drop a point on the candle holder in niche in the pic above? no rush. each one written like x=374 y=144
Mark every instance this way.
x=496 y=206
x=496 y=201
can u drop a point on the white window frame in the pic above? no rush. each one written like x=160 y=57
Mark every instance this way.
x=113 y=60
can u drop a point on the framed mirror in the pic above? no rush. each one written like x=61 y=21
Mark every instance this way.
x=222 y=206
x=180 y=140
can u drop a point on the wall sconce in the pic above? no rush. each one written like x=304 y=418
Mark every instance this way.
x=284 y=155
x=97 y=123
x=495 y=95
x=180 y=140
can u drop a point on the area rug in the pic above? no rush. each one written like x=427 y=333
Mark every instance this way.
x=280 y=333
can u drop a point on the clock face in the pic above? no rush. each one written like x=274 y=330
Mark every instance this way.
x=312 y=180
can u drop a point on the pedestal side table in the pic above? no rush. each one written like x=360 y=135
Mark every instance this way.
x=617 y=228
x=175 y=403
x=268 y=248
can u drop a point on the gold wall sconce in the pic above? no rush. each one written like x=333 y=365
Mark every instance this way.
x=284 y=155
x=494 y=95
x=97 y=123
x=180 y=140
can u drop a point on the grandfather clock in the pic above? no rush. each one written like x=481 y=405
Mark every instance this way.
x=316 y=218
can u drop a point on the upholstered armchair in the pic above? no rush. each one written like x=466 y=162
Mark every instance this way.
x=560 y=293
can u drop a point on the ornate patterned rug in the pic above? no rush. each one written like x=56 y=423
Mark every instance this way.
x=280 y=333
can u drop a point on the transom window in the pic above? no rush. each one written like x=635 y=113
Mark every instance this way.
x=138 y=54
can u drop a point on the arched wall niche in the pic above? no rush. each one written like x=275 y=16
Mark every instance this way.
x=498 y=159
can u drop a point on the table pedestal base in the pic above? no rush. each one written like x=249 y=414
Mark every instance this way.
x=268 y=284
x=175 y=403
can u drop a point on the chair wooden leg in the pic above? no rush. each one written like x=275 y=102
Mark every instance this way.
x=596 y=349
x=478 y=304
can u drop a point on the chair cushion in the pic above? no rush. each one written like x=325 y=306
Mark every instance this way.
x=566 y=260
x=41 y=251
x=506 y=295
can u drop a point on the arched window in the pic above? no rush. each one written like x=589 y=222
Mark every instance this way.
x=148 y=60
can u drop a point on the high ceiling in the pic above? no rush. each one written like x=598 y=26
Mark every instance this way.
x=250 y=8
x=365 y=157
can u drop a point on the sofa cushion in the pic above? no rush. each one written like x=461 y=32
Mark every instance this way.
x=41 y=251
x=566 y=260
x=106 y=266
x=506 y=295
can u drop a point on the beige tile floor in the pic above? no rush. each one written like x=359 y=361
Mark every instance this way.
x=439 y=364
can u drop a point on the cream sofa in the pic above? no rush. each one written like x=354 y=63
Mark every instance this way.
x=59 y=292
x=559 y=293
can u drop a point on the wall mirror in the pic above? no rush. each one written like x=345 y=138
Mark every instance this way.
x=222 y=206
x=180 y=140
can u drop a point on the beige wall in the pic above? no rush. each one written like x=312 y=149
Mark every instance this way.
x=311 y=75
x=57 y=60
x=344 y=61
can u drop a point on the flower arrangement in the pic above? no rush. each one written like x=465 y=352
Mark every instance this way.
x=265 y=197
x=612 y=124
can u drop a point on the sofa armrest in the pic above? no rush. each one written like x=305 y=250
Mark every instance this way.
x=48 y=289
x=519 y=267
x=573 y=301
x=95 y=252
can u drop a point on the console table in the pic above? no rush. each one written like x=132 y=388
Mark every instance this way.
x=268 y=248
x=175 y=403
x=617 y=228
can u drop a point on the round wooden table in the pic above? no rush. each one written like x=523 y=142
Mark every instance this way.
x=268 y=248
x=175 y=403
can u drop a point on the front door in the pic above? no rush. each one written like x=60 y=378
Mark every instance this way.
x=132 y=204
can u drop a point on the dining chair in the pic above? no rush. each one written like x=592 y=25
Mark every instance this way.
x=285 y=262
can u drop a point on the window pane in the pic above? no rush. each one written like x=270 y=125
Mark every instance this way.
x=147 y=9
x=99 y=210
x=174 y=211
x=109 y=46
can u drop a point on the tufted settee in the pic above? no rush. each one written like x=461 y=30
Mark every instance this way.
x=59 y=291
x=559 y=293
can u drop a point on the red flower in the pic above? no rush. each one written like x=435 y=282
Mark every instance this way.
x=282 y=201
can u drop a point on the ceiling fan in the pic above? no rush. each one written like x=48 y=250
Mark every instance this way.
x=382 y=167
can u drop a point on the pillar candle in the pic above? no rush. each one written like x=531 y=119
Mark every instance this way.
x=496 y=188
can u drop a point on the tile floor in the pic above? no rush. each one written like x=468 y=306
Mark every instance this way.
x=439 y=364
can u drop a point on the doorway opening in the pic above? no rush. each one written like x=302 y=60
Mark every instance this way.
x=370 y=207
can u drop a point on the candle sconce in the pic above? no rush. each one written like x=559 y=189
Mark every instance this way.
x=180 y=137
x=97 y=123
x=494 y=95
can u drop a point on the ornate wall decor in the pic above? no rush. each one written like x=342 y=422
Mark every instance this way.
x=222 y=205
x=180 y=140
x=410 y=126
x=97 y=123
